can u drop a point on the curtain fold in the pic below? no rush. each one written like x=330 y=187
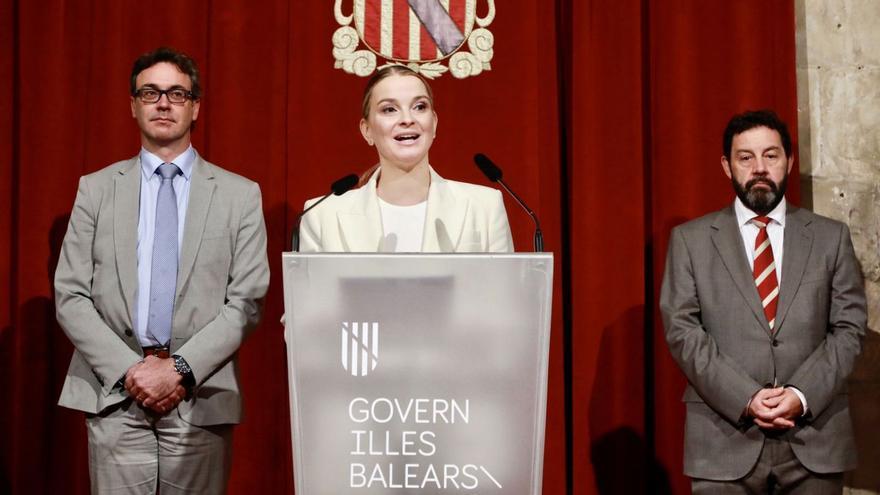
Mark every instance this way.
x=7 y=178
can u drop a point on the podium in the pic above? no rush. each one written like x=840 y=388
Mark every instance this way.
x=417 y=373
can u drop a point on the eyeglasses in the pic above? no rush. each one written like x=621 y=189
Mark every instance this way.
x=178 y=96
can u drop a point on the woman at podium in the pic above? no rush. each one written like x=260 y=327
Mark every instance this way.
x=404 y=205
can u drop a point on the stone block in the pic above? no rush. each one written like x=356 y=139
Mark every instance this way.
x=842 y=33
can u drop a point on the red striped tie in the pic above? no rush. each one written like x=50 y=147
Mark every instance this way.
x=765 y=271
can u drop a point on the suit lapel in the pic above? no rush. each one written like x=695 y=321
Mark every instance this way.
x=444 y=219
x=201 y=191
x=361 y=227
x=729 y=244
x=126 y=200
x=797 y=243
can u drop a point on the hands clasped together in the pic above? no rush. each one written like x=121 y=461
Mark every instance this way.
x=775 y=408
x=155 y=384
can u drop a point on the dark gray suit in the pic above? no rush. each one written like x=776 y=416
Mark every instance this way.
x=718 y=335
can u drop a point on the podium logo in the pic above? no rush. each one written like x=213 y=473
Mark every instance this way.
x=360 y=347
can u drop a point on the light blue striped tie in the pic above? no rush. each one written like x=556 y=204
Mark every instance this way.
x=163 y=270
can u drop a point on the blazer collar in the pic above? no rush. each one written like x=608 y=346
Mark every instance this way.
x=797 y=243
x=444 y=220
x=728 y=241
x=126 y=201
x=361 y=225
x=201 y=192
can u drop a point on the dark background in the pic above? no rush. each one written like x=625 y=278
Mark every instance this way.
x=606 y=116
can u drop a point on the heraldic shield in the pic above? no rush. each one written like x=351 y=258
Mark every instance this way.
x=422 y=34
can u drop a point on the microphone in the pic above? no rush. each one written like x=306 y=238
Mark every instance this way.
x=338 y=188
x=493 y=173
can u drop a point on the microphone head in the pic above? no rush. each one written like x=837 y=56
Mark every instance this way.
x=344 y=184
x=489 y=169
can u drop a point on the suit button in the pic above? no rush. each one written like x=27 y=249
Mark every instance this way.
x=775 y=343
x=128 y=332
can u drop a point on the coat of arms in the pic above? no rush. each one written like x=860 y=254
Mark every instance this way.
x=422 y=34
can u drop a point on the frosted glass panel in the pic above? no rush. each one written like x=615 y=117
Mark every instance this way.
x=417 y=373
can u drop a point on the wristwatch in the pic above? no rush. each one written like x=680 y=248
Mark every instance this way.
x=182 y=368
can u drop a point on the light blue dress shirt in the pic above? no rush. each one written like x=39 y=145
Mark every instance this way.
x=150 y=183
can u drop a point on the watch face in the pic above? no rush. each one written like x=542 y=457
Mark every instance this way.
x=180 y=365
x=183 y=369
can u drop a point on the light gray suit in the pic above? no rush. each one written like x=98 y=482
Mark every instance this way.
x=222 y=280
x=718 y=335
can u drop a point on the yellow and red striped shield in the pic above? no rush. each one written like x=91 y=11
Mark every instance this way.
x=418 y=33
x=414 y=30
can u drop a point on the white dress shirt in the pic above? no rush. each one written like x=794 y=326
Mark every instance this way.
x=402 y=227
x=749 y=232
x=776 y=233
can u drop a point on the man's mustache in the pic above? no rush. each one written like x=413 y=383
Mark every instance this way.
x=752 y=183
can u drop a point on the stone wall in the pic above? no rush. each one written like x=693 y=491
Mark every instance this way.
x=838 y=74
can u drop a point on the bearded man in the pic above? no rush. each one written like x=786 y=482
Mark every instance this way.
x=766 y=344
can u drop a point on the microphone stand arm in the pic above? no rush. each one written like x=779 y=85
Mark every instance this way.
x=539 y=236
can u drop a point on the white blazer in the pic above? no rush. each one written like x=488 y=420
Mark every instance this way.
x=460 y=218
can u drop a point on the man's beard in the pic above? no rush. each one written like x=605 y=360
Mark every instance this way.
x=760 y=201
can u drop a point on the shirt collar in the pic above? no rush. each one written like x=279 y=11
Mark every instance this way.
x=745 y=215
x=184 y=161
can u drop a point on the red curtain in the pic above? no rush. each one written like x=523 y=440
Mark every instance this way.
x=606 y=117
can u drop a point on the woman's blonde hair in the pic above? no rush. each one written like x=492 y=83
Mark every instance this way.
x=386 y=72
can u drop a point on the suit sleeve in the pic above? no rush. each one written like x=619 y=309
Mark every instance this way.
x=102 y=348
x=248 y=281
x=722 y=384
x=824 y=373
x=500 y=239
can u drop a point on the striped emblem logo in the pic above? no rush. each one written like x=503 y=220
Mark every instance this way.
x=414 y=30
x=421 y=34
x=360 y=347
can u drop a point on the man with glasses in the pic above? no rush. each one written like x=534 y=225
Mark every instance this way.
x=161 y=276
